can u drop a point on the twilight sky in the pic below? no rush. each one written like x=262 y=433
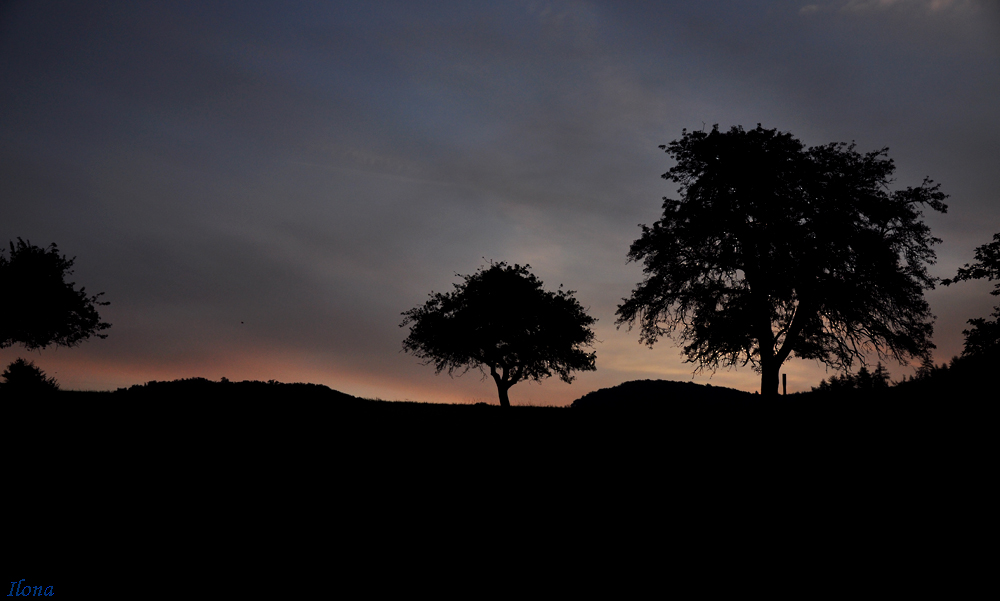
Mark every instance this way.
x=261 y=188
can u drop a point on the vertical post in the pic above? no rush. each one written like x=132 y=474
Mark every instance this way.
x=784 y=384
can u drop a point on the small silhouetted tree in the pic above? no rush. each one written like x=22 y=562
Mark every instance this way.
x=38 y=307
x=775 y=249
x=501 y=321
x=23 y=377
x=984 y=337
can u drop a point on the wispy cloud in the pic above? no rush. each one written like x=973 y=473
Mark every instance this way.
x=867 y=6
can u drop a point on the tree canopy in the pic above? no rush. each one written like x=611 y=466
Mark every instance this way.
x=984 y=336
x=501 y=321
x=776 y=250
x=38 y=307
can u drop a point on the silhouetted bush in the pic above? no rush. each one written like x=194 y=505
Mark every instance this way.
x=24 y=378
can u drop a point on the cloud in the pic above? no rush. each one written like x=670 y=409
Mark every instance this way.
x=869 y=6
x=313 y=174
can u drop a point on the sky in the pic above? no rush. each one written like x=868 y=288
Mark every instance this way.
x=260 y=189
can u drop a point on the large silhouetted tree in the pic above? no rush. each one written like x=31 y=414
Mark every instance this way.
x=775 y=249
x=984 y=337
x=502 y=322
x=38 y=307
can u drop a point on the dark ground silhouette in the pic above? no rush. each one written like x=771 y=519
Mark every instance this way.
x=271 y=467
x=644 y=426
x=965 y=381
x=658 y=394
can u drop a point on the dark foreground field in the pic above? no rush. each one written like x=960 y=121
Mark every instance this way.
x=279 y=488
x=253 y=413
x=265 y=438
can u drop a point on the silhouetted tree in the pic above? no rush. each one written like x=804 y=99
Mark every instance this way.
x=38 y=307
x=774 y=249
x=984 y=337
x=501 y=320
x=22 y=377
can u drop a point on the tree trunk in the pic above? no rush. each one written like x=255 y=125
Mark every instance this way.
x=503 y=385
x=504 y=399
x=769 y=371
x=769 y=363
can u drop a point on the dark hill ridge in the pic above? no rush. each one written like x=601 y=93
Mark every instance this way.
x=247 y=390
x=313 y=427
x=660 y=394
x=637 y=394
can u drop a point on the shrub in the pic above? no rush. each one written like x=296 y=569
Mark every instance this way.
x=23 y=377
